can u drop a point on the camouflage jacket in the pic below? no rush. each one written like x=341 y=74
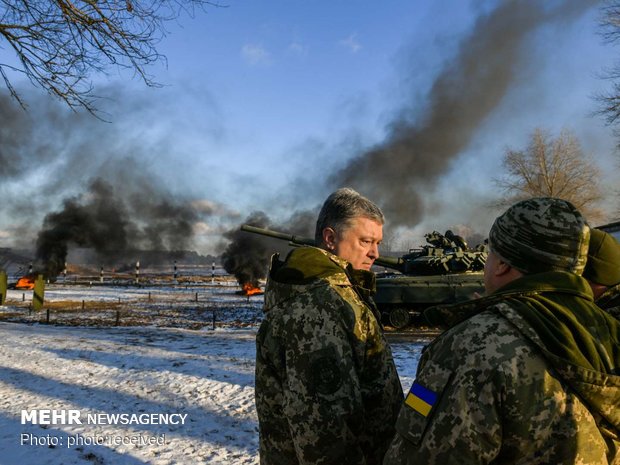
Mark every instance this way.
x=327 y=390
x=610 y=301
x=528 y=375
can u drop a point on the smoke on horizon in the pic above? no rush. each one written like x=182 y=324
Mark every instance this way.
x=72 y=180
x=111 y=226
x=399 y=171
x=247 y=255
x=126 y=206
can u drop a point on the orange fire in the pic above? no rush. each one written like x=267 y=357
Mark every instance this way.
x=25 y=283
x=250 y=289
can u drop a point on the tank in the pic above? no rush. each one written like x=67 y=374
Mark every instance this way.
x=443 y=271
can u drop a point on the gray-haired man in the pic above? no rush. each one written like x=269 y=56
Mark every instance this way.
x=327 y=391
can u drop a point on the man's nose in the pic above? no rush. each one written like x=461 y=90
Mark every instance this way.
x=374 y=251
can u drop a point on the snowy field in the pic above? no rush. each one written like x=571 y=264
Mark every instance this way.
x=193 y=305
x=163 y=387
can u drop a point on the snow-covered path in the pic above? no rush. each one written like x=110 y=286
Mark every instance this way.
x=204 y=377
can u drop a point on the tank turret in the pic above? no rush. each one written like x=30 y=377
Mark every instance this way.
x=443 y=271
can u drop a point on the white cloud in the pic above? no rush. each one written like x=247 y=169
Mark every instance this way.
x=255 y=54
x=211 y=208
x=297 y=48
x=205 y=206
x=351 y=43
x=202 y=229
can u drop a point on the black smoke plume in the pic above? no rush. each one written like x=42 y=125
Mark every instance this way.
x=112 y=225
x=247 y=255
x=397 y=172
x=124 y=209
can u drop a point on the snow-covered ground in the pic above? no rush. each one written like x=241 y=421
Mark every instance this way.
x=201 y=380
x=194 y=305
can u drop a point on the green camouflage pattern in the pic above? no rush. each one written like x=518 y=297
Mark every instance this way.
x=504 y=396
x=327 y=390
x=541 y=234
x=610 y=301
x=3 y=286
x=603 y=266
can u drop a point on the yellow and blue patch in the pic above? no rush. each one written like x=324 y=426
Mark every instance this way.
x=421 y=399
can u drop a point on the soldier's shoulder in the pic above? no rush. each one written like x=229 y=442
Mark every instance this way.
x=315 y=303
x=486 y=321
x=451 y=315
x=486 y=336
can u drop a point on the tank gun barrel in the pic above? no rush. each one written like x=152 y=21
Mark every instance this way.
x=396 y=263
x=388 y=262
x=297 y=240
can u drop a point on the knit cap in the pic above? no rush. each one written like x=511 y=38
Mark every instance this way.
x=541 y=234
x=603 y=266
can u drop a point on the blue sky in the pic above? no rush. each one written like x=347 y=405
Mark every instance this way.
x=262 y=101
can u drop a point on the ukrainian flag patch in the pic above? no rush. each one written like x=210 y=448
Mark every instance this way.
x=421 y=399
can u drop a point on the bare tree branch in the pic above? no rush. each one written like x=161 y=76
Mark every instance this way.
x=610 y=31
x=59 y=44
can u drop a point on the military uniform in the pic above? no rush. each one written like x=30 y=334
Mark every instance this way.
x=327 y=390
x=610 y=301
x=603 y=268
x=538 y=384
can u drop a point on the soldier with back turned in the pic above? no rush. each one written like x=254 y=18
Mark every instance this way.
x=528 y=374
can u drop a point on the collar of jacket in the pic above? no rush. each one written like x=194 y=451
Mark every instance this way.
x=563 y=282
x=556 y=311
x=307 y=264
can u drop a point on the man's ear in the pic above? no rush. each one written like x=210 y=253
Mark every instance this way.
x=502 y=268
x=329 y=238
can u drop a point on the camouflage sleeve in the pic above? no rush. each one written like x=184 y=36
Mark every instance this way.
x=454 y=411
x=446 y=419
x=321 y=390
